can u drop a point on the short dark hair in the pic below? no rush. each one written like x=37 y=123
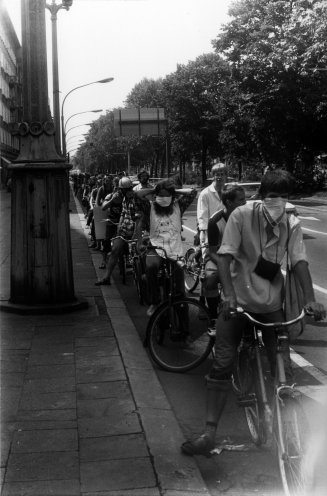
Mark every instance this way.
x=276 y=181
x=143 y=171
x=229 y=192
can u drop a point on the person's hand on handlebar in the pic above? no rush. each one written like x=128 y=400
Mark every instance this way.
x=229 y=304
x=142 y=243
x=317 y=310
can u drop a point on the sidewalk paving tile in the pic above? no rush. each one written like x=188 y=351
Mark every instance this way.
x=43 y=488
x=45 y=440
x=103 y=407
x=48 y=401
x=52 y=385
x=108 y=475
x=110 y=447
x=109 y=425
x=46 y=415
x=112 y=389
x=42 y=466
x=113 y=370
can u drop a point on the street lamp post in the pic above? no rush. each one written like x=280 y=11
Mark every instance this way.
x=101 y=81
x=54 y=8
x=76 y=137
x=74 y=127
x=79 y=113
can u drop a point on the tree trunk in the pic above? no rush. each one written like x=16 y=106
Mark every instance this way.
x=204 y=161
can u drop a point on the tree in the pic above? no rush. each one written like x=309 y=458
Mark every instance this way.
x=194 y=96
x=273 y=47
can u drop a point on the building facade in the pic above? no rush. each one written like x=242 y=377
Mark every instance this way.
x=10 y=91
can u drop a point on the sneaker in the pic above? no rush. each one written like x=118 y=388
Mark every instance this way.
x=202 y=445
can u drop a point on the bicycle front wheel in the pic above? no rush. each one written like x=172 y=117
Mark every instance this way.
x=191 y=276
x=177 y=335
x=247 y=387
x=291 y=436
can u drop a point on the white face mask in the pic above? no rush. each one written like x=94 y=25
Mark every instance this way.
x=274 y=209
x=163 y=201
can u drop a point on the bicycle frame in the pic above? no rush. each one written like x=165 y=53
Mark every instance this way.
x=258 y=346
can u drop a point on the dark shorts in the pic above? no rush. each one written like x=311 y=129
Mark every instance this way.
x=111 y=231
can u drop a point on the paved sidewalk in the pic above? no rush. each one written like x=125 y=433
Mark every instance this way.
x=82 y=410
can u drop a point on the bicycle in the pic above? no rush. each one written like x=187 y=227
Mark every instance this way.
x=132 y=258
x=177 y=332
x=193 y=268
x=284 y=418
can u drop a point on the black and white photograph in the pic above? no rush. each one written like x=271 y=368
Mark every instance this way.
x=163 y=247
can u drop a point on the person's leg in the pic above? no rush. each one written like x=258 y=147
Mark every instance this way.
x=228 y=335
x=179 y=280
x=269 y=340
x=211 y=288
x=116 y=251
x=93 y=238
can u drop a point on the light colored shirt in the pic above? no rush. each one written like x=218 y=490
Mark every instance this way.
x=140 y=186
x=209 y=202
x=165 y=231
x=245 y=238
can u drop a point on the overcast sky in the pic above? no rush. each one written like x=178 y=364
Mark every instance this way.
x=125 y=39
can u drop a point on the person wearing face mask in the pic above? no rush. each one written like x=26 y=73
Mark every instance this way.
x=164 y=206
x=249 y=259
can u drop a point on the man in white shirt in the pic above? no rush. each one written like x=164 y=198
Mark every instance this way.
x=143 y=176
x=209 y=200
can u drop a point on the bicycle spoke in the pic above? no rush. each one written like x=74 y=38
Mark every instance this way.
x=291 y=435
x=177 y=336
x=191 y=271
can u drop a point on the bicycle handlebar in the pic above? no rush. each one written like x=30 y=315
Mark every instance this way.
x=154 y=247
x=134 y=240
x=240 y=311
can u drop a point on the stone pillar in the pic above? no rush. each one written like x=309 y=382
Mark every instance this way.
x=41 y=258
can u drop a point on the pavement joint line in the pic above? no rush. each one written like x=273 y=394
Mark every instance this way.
x=176 y=461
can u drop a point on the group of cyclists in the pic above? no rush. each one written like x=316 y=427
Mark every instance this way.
x=243 y=245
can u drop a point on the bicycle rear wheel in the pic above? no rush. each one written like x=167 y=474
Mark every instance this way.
x=191 y=276
x=246 y=385
x=177 y=335
x=291 y=436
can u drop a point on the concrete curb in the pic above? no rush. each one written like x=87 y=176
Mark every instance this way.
x=177 y=474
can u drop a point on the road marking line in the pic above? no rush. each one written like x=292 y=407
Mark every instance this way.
x=308 y=218
x=308 y=367
x=311 y=230
x=315 y=286
x=189 y=229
